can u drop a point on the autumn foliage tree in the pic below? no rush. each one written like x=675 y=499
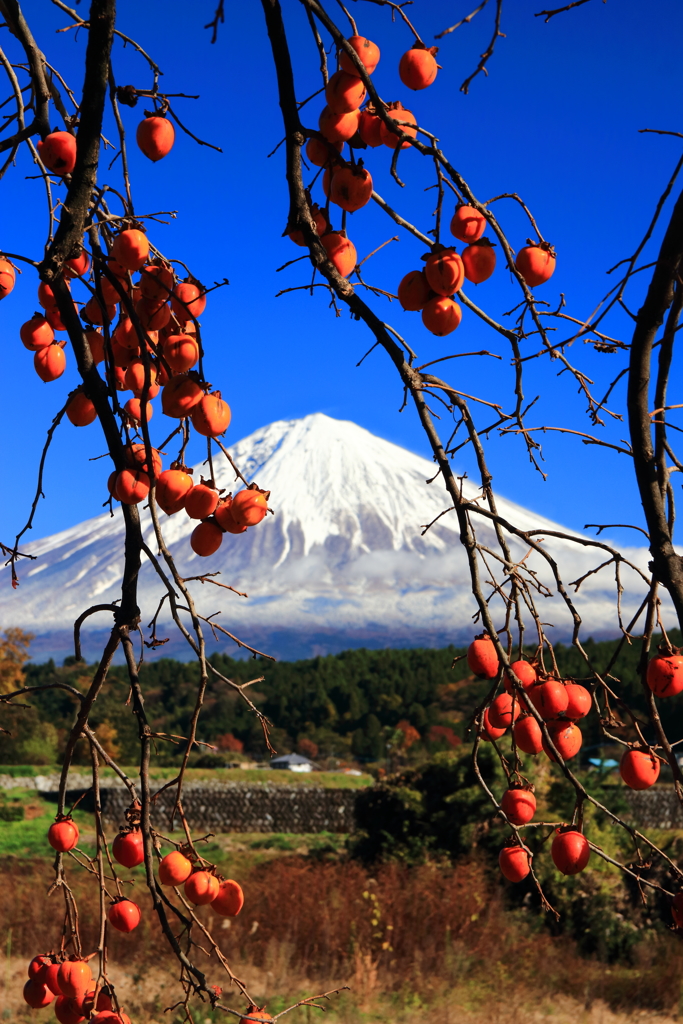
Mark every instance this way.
x=14 y=653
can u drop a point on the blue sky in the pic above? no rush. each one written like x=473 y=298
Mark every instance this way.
x=556 y=121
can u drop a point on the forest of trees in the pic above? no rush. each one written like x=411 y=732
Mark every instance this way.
x=363 y=705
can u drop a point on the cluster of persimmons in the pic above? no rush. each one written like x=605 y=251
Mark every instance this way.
x=69 y=978
x=152 y=349
x=165 y=312
x=560 y=703
x=348 y=184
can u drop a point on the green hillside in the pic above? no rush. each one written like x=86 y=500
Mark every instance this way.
x=363 y=705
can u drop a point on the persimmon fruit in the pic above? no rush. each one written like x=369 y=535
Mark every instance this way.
x=482 y=657
x=95 y=314
x=110 y=293
x=51 y=978
x=49 y=363
x=351 y=188
x=96 y=343
x=319 y=221
x=519 y=805
x=320 y=152
x=201 y=501
x=536 y=263
x=172 y=488
x=124 y=915
x=338 y=127
x=156 y=282
x=414 y=292
x=417 y=68
x=445 y=272
x=249 y=507
x=54 y=318
x=109 y=1017
x=205 y=540
x=36 y=333
x=230 y=899
x=370 y=128
x=126 y=335
x=570 y=851
x=153 y=313
x=514 y=863
x=131 y=487
x=211 y=416
x=390 y=136
x=188 y=301
x=134 y=409
x=504 y=710
x=78 y=266
x=58 y=152
x=467 y=223
x=38 y=966
x=37 y=994
x=344 y=93
x=136 y=458
x=180 y=396
x=128 y=848
x=579 y=701
x=201 y=887
x=549 y=698
x=68 y=1011
x=368 y=54
x=80 y=410
x=135 y=378
x=74 y=977
x=665 y=675
x=7 y=278
x=566 y=737
x=525 y=672
x=479 y=261
x=46 y=296
x=130 y=249
x=256 y=1013
x=441 y=315
x=488 y=730
x=174 y=868
x=639 y=769
x=155 y=137
x=528 y=735
x=224 y=517
x=341 y=251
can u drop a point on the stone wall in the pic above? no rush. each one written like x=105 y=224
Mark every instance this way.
x=236 y=807
x=231 y=807
x=655 y=808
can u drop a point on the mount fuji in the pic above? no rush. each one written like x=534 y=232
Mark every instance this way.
x=342 y=562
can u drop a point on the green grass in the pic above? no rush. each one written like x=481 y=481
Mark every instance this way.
x=27 y=836
x=25 y=818
x=17 y=771
x=246 y=776
x=291 y=842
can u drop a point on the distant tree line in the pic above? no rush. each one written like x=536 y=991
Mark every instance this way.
x=393 y=706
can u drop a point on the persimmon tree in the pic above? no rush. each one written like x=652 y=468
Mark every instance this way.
x=142 y=334
x=528 y=698
x=127 y=334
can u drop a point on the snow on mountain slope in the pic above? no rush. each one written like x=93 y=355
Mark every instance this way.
x=342 y=558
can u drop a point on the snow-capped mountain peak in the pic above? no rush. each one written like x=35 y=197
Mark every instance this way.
x=342 y=561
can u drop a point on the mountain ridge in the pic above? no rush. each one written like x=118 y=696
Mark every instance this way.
x=344 y=560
